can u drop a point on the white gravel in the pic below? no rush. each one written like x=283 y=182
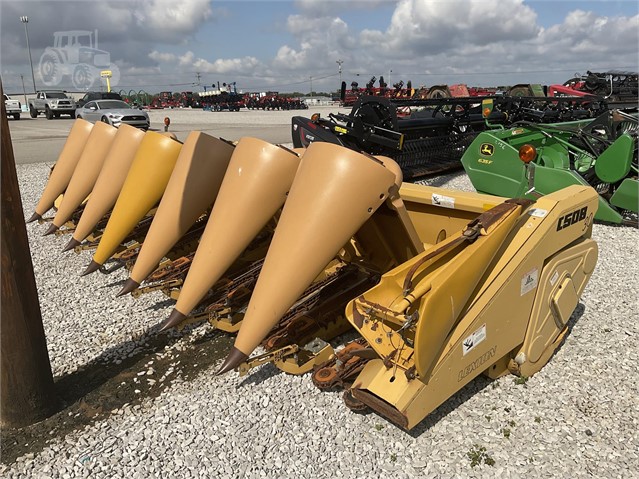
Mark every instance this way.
x=578 y=417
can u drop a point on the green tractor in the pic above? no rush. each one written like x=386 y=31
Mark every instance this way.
x=601 y=153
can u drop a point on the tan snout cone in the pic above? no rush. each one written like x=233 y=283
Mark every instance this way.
x=254 y=188
x=335 y=191
x=86 y=171
x=109 y=183
x=143 y=187
x=193 y=187
x=64 y=167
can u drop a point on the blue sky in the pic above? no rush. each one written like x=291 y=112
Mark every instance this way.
x=279 y=45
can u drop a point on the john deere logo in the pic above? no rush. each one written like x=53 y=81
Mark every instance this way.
x=487 y=149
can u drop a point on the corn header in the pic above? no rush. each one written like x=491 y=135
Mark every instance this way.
x=428 y=137
x=290 y=249
x=601 y=152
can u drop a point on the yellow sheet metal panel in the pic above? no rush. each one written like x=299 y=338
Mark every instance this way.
x=254 y=188
x=512 y=310
x=65 y=165
x=192 y=188
x=142 y=190
x=450 y=289
x=438 y=213
x=86 y=171
x=109 y=183
x=335 y=192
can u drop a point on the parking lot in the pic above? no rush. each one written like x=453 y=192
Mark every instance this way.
x=40 y=140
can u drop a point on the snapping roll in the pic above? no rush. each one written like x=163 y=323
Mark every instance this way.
x=254 y=188
x=64 y=167
x=335 y=191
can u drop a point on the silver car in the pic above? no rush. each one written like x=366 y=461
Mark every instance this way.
x=113 y=112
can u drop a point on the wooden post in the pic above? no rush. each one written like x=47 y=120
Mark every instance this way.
x=26 y=382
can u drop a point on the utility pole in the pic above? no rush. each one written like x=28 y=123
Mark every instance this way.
x=339 y=63
x=27 y=394
x=24 y=90
x=197 y=75
x=311 y=87
x=24 y=19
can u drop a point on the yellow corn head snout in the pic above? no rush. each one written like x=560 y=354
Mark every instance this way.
x=254 y=188
x=334 y=193
x=86 y=171
x=142 y=190
x=65 y=166
x=192 y=188
x=109 y=183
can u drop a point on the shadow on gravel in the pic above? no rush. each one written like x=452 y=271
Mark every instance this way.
x=261 y=374
x=161 y=305
x=113 y=381
x=101 y=387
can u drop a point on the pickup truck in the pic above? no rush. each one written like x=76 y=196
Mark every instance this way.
x=52 y=103
x=13 y=107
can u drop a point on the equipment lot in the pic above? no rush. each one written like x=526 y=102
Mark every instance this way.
x=40 y=140
x=148 y=405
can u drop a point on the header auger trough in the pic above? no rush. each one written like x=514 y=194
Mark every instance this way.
x=428 y=137
x=302 y=246
x=601 y=153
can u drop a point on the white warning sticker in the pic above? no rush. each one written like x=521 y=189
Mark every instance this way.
x=445 y=201
x=473 y=340
x=554 y=278
x=537 y=212
x=529 y=281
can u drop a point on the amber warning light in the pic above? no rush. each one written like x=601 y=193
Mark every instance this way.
x=527 y=153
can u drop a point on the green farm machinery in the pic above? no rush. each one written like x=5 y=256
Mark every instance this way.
x=600 y=152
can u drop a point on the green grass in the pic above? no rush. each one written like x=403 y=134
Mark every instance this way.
x=478 y=455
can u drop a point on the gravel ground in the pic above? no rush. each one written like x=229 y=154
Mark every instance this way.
x=578 y=417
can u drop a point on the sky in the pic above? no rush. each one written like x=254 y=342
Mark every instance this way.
x=286 y=46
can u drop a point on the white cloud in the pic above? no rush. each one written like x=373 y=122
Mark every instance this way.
x=170 y=16
x=422 y=27
x=586 y=34
x=186 y=59
x=321 y=41
x=329 y=7
x=162 y=57
x=234 y=66
x=421 y=37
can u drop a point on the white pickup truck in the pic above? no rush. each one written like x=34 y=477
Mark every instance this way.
x=52 y=103
x=14 y=108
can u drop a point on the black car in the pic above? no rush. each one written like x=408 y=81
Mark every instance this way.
x=97 y=95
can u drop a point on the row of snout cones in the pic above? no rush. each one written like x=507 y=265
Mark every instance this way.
x=324 y=194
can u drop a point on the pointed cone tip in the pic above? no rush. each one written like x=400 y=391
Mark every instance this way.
x=71 y=244
x=34 y=217
x=129 y=286
x=93 y=266
x=52 y=229
x=233 y=360
x=173 y=320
